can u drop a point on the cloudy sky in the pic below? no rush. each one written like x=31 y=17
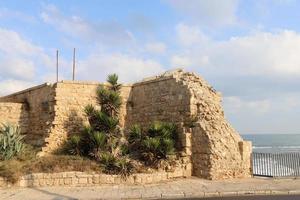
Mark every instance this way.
x=247 y=49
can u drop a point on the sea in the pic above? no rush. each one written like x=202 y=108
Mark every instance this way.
x=274 y=143
x=284 y=160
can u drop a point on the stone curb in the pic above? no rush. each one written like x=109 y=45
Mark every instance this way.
x=182 y=195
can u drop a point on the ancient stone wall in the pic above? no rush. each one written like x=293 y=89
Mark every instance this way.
x=216 y=149
x=70 y=100
x=39 y=103
x=160 y=98
x=14 y=114
x=211 y=148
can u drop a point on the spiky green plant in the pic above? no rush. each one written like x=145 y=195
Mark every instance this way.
x=109 y=99
x=157 y=143
x=11 y=141
x=98 y=140
x=124 y=167
x=135 y=134
x=112 y=79
x=108 y=161
x=73 y=145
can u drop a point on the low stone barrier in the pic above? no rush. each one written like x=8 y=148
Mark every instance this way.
x=90 y=179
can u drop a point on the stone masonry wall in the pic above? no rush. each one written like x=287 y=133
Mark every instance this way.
x=70 y=100
x=211 y=148
x=39 y=103
x=14 y=114
x=90 y=179
x=217 y=151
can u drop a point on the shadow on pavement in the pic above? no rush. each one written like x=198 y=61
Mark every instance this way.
x=55 y=195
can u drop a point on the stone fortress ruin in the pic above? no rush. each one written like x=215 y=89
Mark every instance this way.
x=211 y=148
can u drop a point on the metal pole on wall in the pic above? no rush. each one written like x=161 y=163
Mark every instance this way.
x=56 y=65
x=73 y=65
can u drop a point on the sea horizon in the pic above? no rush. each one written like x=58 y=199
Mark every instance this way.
x=275 y=143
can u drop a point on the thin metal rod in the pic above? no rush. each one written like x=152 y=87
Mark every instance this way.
x=56 y=65
x=73 y=65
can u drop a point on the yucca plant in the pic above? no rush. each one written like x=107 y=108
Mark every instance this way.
x=98 y=140
x=73 y=145
x=157 y=143
x=11 y=141
x=135 y=134
x=102 y=135
x=124 y=167
x=108 y=161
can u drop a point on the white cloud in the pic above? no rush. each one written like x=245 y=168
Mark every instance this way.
x=16 y=67
x=20 y=61
x=208 y=12
x=12 y=43
x=235 y=104
x=180 y=61
x=277 y=114
x=156 y=48
x=10 y=86
x=129 y=68
x=190 y=35
x=259 y=53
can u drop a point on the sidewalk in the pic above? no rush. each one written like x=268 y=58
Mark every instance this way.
x=180 y=188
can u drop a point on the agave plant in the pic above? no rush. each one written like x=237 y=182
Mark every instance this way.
x=11 y=141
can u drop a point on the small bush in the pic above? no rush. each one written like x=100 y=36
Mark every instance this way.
x=124 y=167
x=108 y=162
x=155 y=144
x=73 y=145
x=115 y=165
x=11 y=142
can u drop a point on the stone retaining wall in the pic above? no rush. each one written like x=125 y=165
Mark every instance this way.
x=90 y=179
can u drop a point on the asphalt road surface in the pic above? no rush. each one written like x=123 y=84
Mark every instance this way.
x=274 y=197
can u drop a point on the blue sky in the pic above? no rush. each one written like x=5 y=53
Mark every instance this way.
x=249 y=50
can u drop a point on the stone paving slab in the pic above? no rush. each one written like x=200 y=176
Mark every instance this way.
x=177 y=189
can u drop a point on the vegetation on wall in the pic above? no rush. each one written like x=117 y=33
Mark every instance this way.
x=154 y=144
x=100 y=147
x=102 y=139
x=11 y=141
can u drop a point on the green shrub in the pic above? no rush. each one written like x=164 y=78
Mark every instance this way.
x=157 y=143
x=114 y=165
x=103 y=134
x=108 y=162
x=11 y=141
x=135 y=134
x=124 y=167
x=73 y=145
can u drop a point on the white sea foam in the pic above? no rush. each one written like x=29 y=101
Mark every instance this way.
x=276 y=147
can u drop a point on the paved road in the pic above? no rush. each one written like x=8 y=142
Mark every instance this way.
x=291 y=197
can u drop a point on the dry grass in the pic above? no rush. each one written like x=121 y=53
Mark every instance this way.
x=29 y=163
